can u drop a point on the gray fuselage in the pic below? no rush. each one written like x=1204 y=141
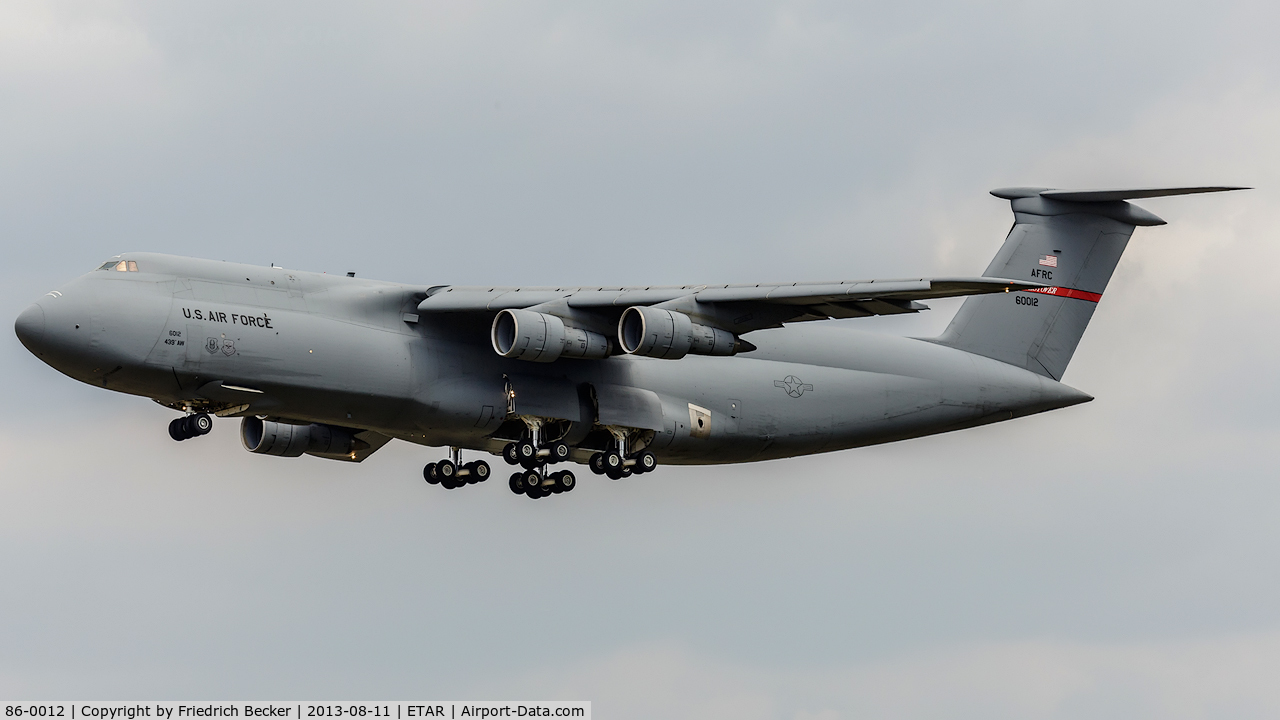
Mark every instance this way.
x=353 y=353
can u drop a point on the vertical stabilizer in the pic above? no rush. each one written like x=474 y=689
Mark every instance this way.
x=1067 y=239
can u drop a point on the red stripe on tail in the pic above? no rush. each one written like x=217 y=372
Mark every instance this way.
x=1068 y=292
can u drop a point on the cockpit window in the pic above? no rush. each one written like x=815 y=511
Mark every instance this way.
x=120 y=265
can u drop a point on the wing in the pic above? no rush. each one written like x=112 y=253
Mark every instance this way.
x=791 y=302
x=544 y=324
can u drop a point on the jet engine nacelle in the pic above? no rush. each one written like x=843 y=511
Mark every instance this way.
x=284 y=440
x=657 y=333
x=539 y=337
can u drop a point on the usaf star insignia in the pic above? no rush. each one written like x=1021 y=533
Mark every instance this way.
x=794 y=386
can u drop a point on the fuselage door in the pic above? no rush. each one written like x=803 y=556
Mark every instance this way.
x=195 y=346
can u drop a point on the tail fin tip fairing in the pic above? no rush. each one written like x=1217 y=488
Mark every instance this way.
x=1110 y=195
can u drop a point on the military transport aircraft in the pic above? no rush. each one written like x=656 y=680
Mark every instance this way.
x=619 y=378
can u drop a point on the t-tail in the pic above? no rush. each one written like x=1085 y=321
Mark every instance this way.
x=1070 y=241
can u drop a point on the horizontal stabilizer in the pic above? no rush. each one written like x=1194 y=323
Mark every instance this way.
x=1107 y=195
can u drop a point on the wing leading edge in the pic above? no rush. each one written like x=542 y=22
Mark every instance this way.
x=447 y=299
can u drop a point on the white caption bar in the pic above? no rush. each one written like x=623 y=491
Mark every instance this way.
x=295 y=710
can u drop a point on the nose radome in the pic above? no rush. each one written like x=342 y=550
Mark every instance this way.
x=30 y=327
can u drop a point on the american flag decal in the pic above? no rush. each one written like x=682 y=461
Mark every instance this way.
x=1049 y=261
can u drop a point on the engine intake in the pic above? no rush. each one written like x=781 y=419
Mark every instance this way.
x=539 y=337
x=657 y=333
x=285 y=440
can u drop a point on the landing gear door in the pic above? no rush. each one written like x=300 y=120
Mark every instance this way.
x=629 y=407
x=551 y=398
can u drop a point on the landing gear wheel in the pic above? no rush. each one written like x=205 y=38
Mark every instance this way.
x=509 y=454
x=446 y=470
x=559 y=452
x=532 y=483
x=565 y=481
x=178 y=429
x=429 y=474
x=645 y=462
x=450 y=484
x=200 y=424
x=526 y=454
x=479 y=472
x=596 y=463
x=611 y=462
x=516 y=483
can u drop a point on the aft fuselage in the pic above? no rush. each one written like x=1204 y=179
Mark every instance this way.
x=355 y=353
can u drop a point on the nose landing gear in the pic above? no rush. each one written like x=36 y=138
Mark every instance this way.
x=185 y=428
x=452 y=473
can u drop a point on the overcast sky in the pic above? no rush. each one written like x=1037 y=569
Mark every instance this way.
x=1115 y=559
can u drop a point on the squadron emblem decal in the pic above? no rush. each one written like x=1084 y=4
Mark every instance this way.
x=214 y=345
x=794 y=386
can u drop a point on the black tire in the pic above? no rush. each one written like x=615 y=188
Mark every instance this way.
x=429 y=474
x=565 y=481
x=535 y=493
x=613 y=474
x=516 y=483
x=532 y=480
x=479 y=471
x=596 y=463
x=526 y=454
x=201 y=423
x=559 y=452
x=178 y=429
x=446 y=470
x=509 y=454
x=450 y=483
x=645 y=462
x=612 y=461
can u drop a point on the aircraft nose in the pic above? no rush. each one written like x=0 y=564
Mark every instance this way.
x=30 y=327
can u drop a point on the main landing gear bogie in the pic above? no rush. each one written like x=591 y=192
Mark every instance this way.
x=452 y=473
x=535 y=485
x=612 y=464
x=529 y=456
x=185 y=428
